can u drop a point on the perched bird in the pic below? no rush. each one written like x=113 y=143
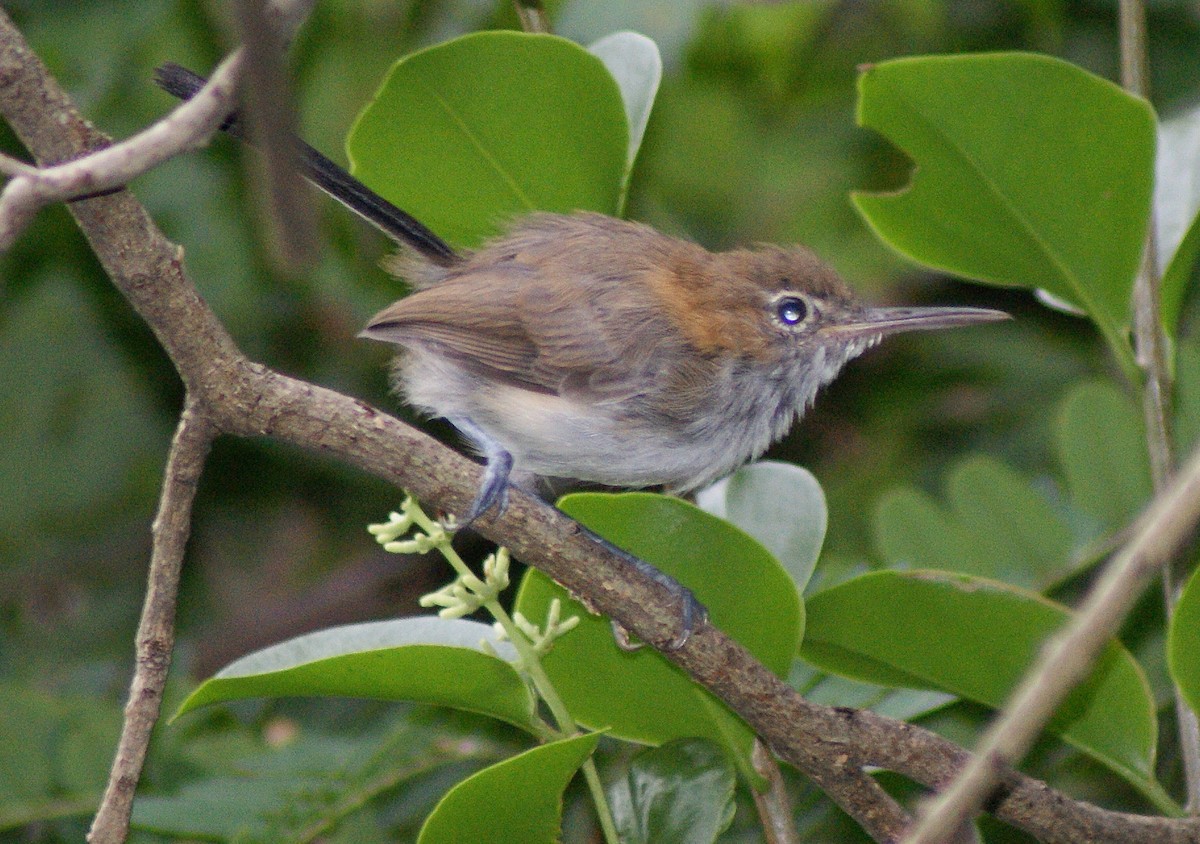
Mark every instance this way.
x=587 y=347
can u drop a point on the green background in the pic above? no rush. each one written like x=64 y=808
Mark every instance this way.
x=752 y=139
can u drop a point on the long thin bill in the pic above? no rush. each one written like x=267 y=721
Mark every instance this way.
x=882 y=321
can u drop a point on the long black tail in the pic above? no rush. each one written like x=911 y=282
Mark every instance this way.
x=402 y=227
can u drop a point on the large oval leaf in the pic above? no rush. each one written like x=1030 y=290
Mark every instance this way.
x=640 y=695
x=995 y=524
x=975 y=638
x=431 y=660
x=519 y=799
x=1030 y=172
x=779 y=504
x=468 y=134
x=1101 y=445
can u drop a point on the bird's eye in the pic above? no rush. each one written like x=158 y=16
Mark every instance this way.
x=791 y=310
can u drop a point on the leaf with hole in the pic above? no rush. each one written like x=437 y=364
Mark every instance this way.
x=1029 y=172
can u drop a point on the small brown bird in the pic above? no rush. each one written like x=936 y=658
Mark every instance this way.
x=588 y=347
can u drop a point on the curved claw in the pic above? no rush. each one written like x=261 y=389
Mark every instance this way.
x=692 y=613
x=493 y=489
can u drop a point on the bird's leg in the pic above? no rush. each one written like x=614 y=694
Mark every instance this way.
x=493 y=490
x=691 y=611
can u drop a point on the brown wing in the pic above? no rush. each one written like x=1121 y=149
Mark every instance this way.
x=510 y=325
x=469 y=318
x=561 y=305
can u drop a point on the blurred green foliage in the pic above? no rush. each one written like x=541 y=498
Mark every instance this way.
x=752 y=139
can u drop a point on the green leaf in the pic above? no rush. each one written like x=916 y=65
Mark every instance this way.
x=975 y=638
x=997 y=525
x=680 y=792
x=468 y=134
x=912 y=529
x=519 y=799
x=636 y=67
x=1102 y=449
x=1176 y=202
x=1030 y=172
x=640 y=695
x=431 y=660
x=316 y=782
x=779 y=504
x=1187 y=395
x=1183 y=655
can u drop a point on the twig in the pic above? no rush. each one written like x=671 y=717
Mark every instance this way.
x=1151 y=351
x=268 y=105
x=1069 y=656
x=15 y=167
x=532 y=15
x=156 y=630
x=774 y=805
x=190 y=125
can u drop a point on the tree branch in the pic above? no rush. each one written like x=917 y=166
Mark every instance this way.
x=267 y=96
x=832 y=746
x=156 y=630
x=113 y=166
x=1156 y=392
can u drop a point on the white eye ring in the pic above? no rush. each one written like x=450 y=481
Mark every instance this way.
x=791 y=310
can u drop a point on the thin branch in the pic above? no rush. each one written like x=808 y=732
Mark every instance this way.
x=774 y=805
x=156 y=630
x=532 y=15
x=15 y=167
x=268 y=105
x=1069 y=656
x=832 y=746
x=189 y=126
x=1152 y=357
x=285 y=17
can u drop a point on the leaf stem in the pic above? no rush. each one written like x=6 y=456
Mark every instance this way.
x=531 y=663
x=532 y=15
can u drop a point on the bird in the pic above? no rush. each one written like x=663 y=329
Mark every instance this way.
x=589 y=347
x=583 y=346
